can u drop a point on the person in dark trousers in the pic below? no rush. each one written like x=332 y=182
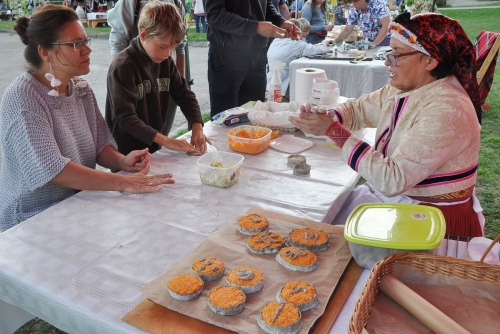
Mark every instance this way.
x=238 y=33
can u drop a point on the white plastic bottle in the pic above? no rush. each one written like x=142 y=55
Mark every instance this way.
x=342 y=47
x=274 y=93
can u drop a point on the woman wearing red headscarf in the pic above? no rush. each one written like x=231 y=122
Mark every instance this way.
x=428 y=123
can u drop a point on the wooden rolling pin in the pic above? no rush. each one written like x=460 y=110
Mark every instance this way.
x=417 y=306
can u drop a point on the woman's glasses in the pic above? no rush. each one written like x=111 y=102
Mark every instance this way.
x=392 y=57
x=77 y=45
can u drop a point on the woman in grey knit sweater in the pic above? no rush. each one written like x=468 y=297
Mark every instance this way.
x=52 y=133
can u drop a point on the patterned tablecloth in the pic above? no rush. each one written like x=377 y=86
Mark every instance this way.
x=80 y=264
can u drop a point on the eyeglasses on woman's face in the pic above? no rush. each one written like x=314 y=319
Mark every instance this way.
x=392 y=57
x=77 y=45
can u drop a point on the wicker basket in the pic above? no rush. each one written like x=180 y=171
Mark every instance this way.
x=427 y=263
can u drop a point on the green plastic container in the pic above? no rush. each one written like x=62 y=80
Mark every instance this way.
x=377 y=230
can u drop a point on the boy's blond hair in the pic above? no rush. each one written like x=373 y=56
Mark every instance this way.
x=306 y=26
x=296 y=22
x=161 y=19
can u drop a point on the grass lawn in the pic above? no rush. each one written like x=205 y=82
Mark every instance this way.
x=192 y=35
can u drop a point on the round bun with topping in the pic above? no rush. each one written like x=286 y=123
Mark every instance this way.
x=314 y=240
x=278 y=318
x=209 y=269
x=248 y=279
x=300 y=294
x=252 y=223
x=297 y=259
x=185 y=287
x=226 y=300
x=265 y=242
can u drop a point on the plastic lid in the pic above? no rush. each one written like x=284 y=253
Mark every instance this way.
x=397 y=226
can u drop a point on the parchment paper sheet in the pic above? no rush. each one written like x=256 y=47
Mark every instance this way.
x=229 y=246
x=473 y=305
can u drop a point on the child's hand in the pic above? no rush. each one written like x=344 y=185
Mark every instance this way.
x=180 y=145
x=198 y=138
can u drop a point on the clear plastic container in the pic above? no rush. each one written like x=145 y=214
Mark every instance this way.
x=249 y=139
x=223 y=174
x=377 y=230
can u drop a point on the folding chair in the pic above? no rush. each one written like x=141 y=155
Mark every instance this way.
x=486 y=44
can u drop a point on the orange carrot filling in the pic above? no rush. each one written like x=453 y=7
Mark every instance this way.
x=309 y=236
x=293 y=292
x=212 y=267
x=226 y=296
x=288 y=314
x=234 y=276
x=252 y=147
x=185 y=284
x=257 y=133
x=303 y=257
x=263 y=240
x=253 y=221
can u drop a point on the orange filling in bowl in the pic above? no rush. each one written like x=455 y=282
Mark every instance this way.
x=249 y=139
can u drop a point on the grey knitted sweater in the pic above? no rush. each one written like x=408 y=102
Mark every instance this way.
x=39 y=135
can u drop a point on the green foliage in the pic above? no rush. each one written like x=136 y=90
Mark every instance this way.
x=420 y=6
x=19 y=10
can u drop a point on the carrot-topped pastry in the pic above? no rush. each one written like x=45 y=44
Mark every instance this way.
x=297 y=259
x=226 y=300
x=246 y=278
x=252 y=223
x=300 y=294
x=314 y=240
x=185 y=286
x=265 y=242
x=209 y=269
x=279 y=318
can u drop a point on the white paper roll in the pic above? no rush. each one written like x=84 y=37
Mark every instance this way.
x=303 y=82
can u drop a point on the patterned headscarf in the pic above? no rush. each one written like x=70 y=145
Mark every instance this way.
x=444 y=40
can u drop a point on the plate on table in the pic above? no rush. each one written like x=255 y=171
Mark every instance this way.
x=291 y=144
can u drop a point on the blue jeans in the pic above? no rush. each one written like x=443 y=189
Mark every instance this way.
x=197 y=21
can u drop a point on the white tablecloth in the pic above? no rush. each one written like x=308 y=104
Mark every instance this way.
x=354 y=80
x=80 y=264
